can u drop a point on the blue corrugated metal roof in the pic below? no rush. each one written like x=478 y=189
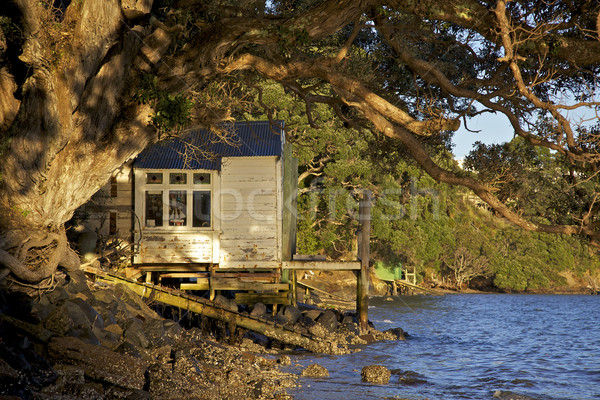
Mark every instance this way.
x=204 y=149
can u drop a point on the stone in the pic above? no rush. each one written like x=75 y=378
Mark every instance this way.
x=280 y=319
x=306 y=322
x=135 y=333
x=92 y=315
x=154 y=329
x=396 y=333
x=284 y=360
x=410 y=378
x=292 y=314
x=349 y=319
x=258 y=309
x=312 y=314
x=226 y=303
x=99 y=363
x=315 y=371
x=329 y=320
x=375 y=374
x=57 y=295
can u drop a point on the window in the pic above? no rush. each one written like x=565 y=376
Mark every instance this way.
x=201 y=208
x=154 y=178
x=154 y=208
x=177 y=208
x=178 y=201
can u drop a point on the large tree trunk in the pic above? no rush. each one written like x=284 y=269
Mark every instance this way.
x=70 y=132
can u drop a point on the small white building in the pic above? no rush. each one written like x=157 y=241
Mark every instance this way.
x=200 y=199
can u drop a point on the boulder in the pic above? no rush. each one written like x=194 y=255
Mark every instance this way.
x=292 y=314
x=315 y=371
x=312 y=314
x=258 y=309
x=329 y=320
x=396 y=333
x=136 y=334
x=375 y=374
x=226 y=303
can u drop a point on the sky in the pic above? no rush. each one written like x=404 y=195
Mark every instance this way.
x=493 y=129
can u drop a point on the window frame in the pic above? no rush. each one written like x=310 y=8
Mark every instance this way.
x=166 y=188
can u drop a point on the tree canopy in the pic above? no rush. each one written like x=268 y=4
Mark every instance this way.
x=86 y=85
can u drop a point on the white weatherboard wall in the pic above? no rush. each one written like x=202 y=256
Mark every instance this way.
x=251 y=204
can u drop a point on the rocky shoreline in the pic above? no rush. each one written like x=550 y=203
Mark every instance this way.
x=80 y=339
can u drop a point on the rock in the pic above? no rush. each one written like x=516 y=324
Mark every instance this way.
x=57 y=295
x=226 y=303
x=99 y=363
x=352 y=327
x=349 y=319
x=315 y=371
x=259 y=309
x=135 y=304
x=154 y=329
x=86 y=334
x=306 y=321
x=368 y=338
x=292 y=313
x=319 y=331
x=284 y=360
x=507 y=395
x=329 y=320
x=375 y=374
x=92 y=315
x=409 y=377
x=136 y=334
x=396 y=333
x=280 y=319
x=58 y=321
x=114 y=329
x=312 y=314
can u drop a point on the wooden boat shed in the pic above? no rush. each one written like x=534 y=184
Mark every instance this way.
x=215 y=214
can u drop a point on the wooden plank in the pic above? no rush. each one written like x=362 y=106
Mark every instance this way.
x=322 y=265
x=265 y=298
x=198 y=275
x=309 y=257
x=320 y=290
x=233 y=285
x=194 y=286
x=250 y=264
x=171 y=267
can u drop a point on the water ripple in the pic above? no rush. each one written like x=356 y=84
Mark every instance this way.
x=470 y=346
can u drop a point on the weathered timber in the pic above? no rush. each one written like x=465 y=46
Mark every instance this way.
x=194 y=286
x=416 y=287
x=207 y=308
x=185 y=275
x=229 y=284
x=321 y=291
x=322 y=265
x=265 y=298
x=364 y=241
x=172 y=267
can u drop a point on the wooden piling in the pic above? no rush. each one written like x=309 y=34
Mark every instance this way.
x=364 y=240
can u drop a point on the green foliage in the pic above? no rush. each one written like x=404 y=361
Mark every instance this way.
x=171 y=112
x=415 y=220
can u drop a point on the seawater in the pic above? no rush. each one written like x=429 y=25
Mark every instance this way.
x=469 y=346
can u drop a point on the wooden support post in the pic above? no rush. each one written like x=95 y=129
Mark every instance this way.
x=364 y=240
x=294 y=288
